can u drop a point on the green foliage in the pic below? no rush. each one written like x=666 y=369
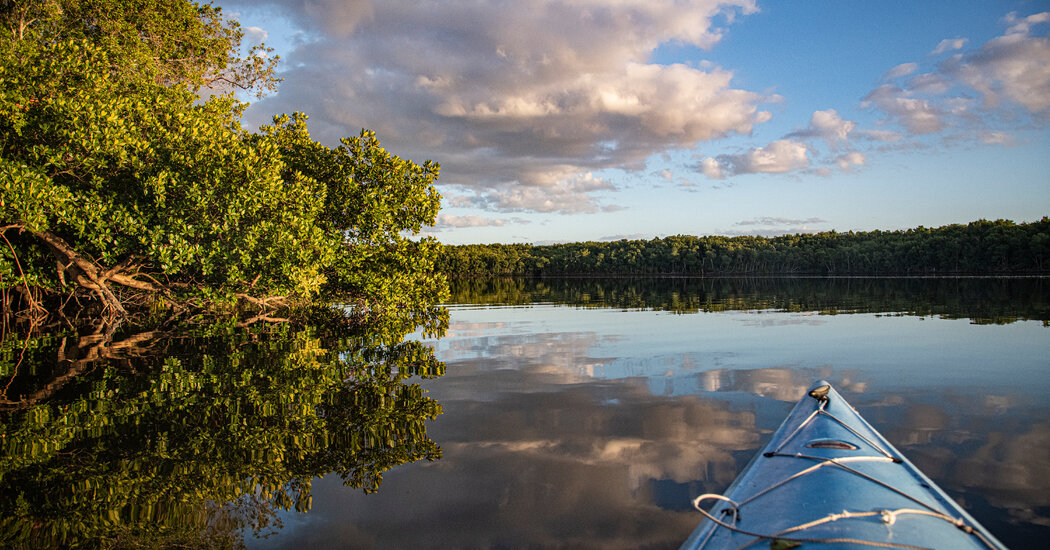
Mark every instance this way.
x=153 y=41
x=979 y=247
x=372 y=199
x=118 y=184
x=171 y=435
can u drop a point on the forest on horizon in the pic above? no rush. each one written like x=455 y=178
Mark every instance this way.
x=999 y=247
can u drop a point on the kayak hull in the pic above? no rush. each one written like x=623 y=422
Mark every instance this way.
x=827 y=478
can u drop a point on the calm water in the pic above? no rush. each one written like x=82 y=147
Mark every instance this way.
x=550 y=414
x=587 y=414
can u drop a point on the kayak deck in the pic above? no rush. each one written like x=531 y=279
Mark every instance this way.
x=828 y=479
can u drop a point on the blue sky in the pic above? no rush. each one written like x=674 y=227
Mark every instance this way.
x=579 y=120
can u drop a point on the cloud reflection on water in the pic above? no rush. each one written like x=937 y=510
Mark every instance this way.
x=557 y=434
x=983 y=448
x=567 y=464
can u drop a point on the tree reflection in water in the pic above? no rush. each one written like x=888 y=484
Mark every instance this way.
x=183 y=437
x=984 y=300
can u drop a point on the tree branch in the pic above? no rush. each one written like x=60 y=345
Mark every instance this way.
x=90 y=349
x=29 y=297
x=87 y=269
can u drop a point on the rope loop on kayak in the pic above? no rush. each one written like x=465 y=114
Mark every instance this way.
x=779 y=537
x=888 y=517
x=735 y=508
x=840 y=462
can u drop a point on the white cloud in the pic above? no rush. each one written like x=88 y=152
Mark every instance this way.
x=563 y=191
x=848 y=160
x=1024 y=25
x=665 y=174
x=712 y=169
x=504 y=93
x=879 y=135
x=770 y=221
x=1015 y=65
x=459 y=201
x=998 y=138
x=949 y=45
x=929 y=83
x=448 y=221
x=918 y=116
x=904 y=69
x=778 y=157
x=829 y=126
x=255 y=35
x=626 y=237
x=1010 y=72
x=836 y=132
x=773 y=226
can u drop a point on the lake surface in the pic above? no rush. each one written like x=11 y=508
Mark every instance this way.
x=588 y=413
x=571 y=413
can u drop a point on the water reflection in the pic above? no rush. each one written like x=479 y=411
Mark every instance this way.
x=990 y=451
x=559 y=427
x=983 y=300
x=183 y=437
x=646 y=410
x=546 y=465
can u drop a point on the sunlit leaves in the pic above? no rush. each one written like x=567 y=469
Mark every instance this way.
x=151 y=184
x=142 y=442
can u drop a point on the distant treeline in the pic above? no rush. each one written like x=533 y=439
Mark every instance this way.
x=980 y=247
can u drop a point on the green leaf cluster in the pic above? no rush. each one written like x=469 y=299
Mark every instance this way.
x=120 y=184
x=107 y=439
x=152 y=41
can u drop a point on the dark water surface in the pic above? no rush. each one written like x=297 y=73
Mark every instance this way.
x=588 y=413
x=551 y=414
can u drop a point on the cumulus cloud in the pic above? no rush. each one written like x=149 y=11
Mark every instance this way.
x=1011 y=73
x=772 y=221
x=448 y=221
x=998 y=138
x=849 y=160
x=560 y=190
x=456 y=201
x=918 y=116
x=1023 y=25
x=516 y=100
x=879 y=135
x=837 y=133
x=929 y=83
x=712 y=169
x=949 y=45
x=255 y=35
x=1015 y=65
x=829 y=126
x=770 y=226
x=776 y=158
x=904 y=69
